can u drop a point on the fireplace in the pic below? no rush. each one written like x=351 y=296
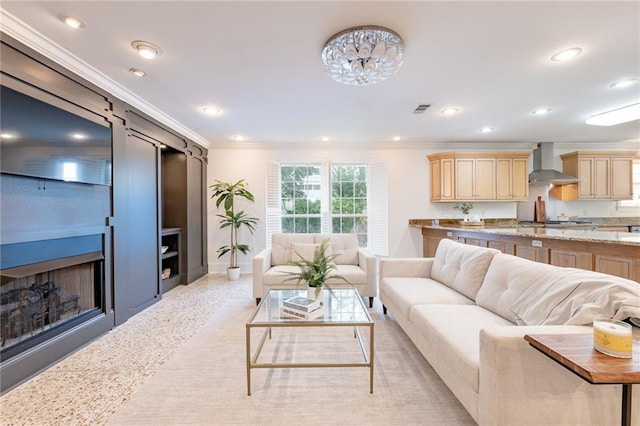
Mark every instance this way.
x=48 y=287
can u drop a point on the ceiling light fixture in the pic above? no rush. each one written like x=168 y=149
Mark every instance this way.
x=211 y=110
x=79 y=136
x=7 y=135
x=396 y=138
x=364 y=55
x=145 y=49
x=487 y=129
x=325 y=139
x=616 y=116
x=137 y=72
x=73 y=22
x=567 y=54
x=238 y=138
x=624 y=83
x=541 y=111
x=450 y=111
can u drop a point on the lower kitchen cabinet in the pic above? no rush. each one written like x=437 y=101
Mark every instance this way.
x=612 y=258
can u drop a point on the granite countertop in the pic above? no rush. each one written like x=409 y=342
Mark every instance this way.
x=625 y=238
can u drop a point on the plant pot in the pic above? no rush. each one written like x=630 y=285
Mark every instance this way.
x=233 y=274
x=311 y=293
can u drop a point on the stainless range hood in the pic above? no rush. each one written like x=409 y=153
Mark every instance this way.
x=543 y=171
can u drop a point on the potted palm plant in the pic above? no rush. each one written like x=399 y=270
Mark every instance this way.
x=316 y=271
x=225 y=194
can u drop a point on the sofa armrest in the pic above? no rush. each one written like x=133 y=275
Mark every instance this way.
x=406 y=267
x=261 y=264
x=369 y=264
x=519 y=382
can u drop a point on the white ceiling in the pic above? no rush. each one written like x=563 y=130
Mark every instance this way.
x=260 y=63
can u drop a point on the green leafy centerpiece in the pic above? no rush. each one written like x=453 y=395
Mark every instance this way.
x=316 y=271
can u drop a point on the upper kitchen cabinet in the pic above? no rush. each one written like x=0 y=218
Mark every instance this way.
x=442 y=176
x=603 y=176
x=479 y=176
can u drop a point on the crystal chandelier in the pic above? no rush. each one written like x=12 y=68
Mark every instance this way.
x=364 y=55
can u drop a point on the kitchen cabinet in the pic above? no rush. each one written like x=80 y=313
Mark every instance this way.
x=603 y=176
x=512 y=179
x=442 y=177
x=475 y=178
x=613 y=258
x=479 y=176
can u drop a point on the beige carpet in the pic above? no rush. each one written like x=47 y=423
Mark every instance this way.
x=205 y=380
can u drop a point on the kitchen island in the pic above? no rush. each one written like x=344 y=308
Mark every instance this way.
x=615 y=253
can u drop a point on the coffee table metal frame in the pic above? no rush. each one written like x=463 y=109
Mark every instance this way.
x=336 y=314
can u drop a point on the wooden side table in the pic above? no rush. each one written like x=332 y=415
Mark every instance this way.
x=575 y=352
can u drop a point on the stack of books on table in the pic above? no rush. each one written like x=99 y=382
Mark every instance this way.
x=301 y=308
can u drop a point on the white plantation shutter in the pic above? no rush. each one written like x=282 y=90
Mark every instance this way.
x=378 y=209
x=325 y=202
x=273 y=209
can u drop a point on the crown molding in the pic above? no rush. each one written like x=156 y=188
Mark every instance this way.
x=31 y=38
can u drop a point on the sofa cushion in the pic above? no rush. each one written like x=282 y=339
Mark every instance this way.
x=281 y=246
x=303 y=251
x=352 y=273
x=577 y=297
x=279 y=274
x=405 y=292
x=507 y=279
x=461 y=267
x=454 y=333
x=345 y=246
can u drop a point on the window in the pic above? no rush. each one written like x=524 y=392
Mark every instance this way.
x=329 y=198
x=635 y=200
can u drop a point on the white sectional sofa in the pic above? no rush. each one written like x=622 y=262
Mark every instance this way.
x=356 y=264
x=467 y=310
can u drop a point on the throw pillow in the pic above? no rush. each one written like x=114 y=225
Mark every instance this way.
x=577 y=298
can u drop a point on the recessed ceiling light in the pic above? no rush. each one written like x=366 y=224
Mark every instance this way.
x=78 y=136
x=616 y=116
x=73 y=22
x=396 y=138
x=211 y=110
x=137 y=72
x=163 y=146
x=238 y=138
x=565 y=55
x=450 y=111
x=487 y=129
x=624 y=83
x=145 y=49
x=541 y=111
x=325 y=139
x=7 y=135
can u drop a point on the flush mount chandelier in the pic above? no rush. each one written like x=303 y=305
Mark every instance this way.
x=363 y=55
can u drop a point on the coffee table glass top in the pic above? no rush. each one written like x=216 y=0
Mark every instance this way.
x=340 y=306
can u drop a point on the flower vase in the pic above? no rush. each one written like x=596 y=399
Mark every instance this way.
x=311 y=293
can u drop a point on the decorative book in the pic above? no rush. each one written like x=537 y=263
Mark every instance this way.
x=302 y=304
x=289 y=313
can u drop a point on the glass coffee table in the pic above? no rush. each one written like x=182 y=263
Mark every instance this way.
x=342 y=308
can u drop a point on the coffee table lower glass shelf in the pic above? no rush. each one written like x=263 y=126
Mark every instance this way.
x=342 y=308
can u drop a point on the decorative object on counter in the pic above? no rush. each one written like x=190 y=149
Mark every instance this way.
x=468 y=220
x=465 y=208
x=539 y=213
x=613 y=338
x=225 y=193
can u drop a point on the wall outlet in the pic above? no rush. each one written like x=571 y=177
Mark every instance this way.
x=449 y=234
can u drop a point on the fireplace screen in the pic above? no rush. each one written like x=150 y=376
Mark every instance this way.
x=38 y=306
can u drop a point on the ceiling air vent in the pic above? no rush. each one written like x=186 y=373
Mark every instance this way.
x=421 y=108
